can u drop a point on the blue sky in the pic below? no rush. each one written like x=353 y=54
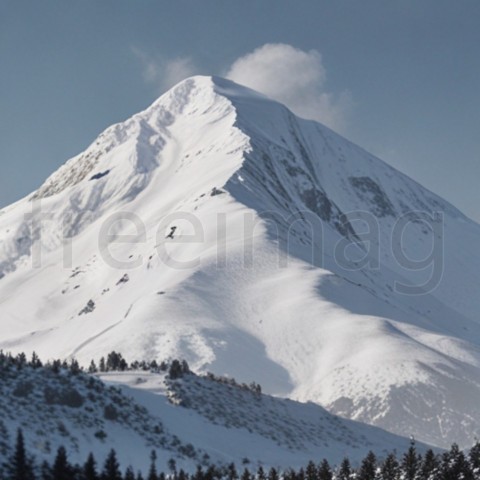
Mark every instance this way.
x=399 y=78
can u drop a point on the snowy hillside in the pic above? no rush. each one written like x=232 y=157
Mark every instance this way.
x=193 y=420
x=83 y=414
x=218 y=227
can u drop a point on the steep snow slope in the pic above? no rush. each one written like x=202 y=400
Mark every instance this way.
x=218 y=227
x=192 y=420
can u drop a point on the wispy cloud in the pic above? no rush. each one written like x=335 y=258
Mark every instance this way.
x=294 y=77
x=163 y=73
x=178 y=69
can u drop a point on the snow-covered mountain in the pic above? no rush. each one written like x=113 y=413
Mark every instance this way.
x=218 y=227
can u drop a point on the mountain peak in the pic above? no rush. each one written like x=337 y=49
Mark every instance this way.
x=257 y=240
x=212 y=83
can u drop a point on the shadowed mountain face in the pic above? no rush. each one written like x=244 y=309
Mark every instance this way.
x=218 y=227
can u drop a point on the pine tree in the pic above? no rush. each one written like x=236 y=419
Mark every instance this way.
x=175 y=371
x=35 y=361
x=111 y=469
x=211 y=473
x=198 y=474
x=61 y=469
x=93 y=367
x=411 y=462
x=368 y=467
x=246 y=475
x=273 y=474
x=324 y=471
x=455 y=465
x=172 y=466
x=430 y=467
x=185 y=367
x=345 y=470
x=474 y=457
x=115 y=362
x=90 y=468
x=129 y=474
x=152 y=474
x=290 y=474
x=232 y=472
x=311 y=471
x=390 y=468
x=74 y=367
x=182 y=475
x=21 y=360
x=56 y=365
x=261 y=473
x=19 y=466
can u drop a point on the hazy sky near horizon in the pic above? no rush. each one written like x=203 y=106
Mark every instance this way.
x=401 y=79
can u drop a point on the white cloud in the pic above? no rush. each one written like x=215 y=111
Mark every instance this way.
x=178 y=69
x=163 y=73
x=294 y=77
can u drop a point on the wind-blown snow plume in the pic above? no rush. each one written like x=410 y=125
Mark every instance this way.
x=294 y=77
